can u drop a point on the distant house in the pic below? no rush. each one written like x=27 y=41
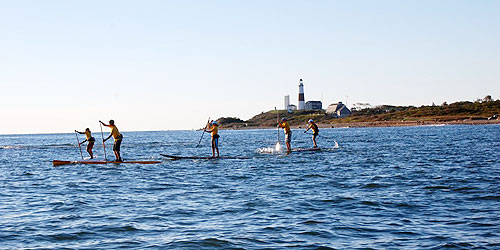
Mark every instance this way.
x=291 y=108
x=338 y=110
x=314 y=105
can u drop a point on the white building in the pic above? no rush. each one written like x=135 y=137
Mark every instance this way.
x=287 y=101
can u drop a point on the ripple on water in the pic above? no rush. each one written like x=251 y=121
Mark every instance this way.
x=374 y=185
x=312 y=222
x=70 y=236
x=203 y=244
x=486 y=198
x=117 y=229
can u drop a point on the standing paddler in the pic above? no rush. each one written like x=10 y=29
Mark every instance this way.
x=213 y=129
x=116 y=136
x=311 y=125
x=89 y=139
x=288 y=133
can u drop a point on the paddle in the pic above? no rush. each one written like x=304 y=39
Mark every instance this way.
x=278 y=129
x=203 y=133
x=78 y=141
x=278 y=121
x=103 y=144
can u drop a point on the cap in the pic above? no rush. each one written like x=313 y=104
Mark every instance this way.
x=310 y=120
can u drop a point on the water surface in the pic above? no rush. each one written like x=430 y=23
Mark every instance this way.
x=384 y=188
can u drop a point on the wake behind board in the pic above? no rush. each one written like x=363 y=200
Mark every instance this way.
x=175 y=157
x=59 y=163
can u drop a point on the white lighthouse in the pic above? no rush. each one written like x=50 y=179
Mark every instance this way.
x=301 y=96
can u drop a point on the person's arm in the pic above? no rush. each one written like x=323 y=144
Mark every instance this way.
x=83 y=141
x=80 y=132
x=104 y=124
x=107 y=138
x=207 y=128
x=308 y=127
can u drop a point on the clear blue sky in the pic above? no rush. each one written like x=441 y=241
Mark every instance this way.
x=158 y=65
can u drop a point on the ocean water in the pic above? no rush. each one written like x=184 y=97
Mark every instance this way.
x=430 y=187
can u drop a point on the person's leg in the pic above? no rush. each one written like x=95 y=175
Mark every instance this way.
x=89 y=149
x=287 y=142
x=290 y=141
x=213 y=147
x=217 y=146
x=314 y=141
x=116 y=149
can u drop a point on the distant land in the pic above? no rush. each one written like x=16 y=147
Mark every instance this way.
x=481 y=111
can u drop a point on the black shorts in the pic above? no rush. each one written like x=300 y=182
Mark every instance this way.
x=116 y=146
x=91 y=139
x=315 y=134
x=288 y=137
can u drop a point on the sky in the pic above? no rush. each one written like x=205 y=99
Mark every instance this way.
x=168 y=65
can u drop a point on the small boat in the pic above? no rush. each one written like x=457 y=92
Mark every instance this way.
x=175 y=157
x=59 y=163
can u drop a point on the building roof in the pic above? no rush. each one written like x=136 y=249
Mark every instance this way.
x=338 y=108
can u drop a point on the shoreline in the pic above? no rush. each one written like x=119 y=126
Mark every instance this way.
x=376 y=124
x=321 y=125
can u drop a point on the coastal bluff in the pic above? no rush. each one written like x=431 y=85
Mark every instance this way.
x=464 y=112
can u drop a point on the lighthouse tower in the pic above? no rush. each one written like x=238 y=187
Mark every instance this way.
x=301 y=96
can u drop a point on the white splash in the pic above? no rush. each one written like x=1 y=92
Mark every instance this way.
x=10 y=147
x=270 y=150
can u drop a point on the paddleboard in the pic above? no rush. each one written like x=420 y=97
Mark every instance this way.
x=175 y=157
x=58 y=163
x=305 y=149
x=272 y=150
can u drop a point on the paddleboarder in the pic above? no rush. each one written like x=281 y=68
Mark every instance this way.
x=213 y=129
x=288 y=133
x=116 y=136
x=312 y=125
x=89 y=139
